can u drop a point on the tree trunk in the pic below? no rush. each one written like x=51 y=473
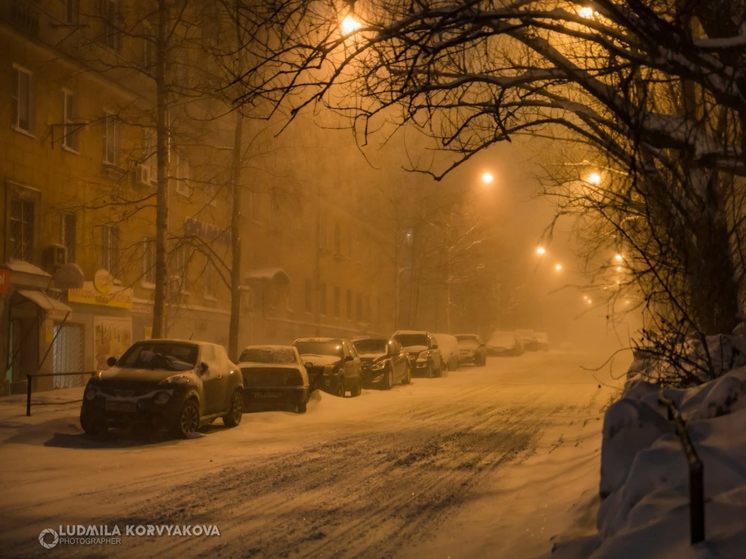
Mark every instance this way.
x=236 y=239
x=162 y=131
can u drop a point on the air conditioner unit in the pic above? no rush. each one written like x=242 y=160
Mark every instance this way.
x=53 y=256
x=142 y=175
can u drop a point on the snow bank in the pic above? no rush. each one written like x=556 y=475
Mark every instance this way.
x=644 y=487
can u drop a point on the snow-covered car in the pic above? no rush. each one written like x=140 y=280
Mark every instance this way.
x=383 y=361
x=542 y=340
x=173 y=384
x=274 y=375
x=504 y=343
x=528 y=339
x=422 y=352
x=448 y=345
x=332 y=364
x=471 y=349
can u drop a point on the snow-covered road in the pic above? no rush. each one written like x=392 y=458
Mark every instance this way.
x=489 y=461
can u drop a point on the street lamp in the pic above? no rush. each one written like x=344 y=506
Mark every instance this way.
x=540 y=250
x=350 y=24
x=586 y=12
x=487 y=178
x=594 y=178
x=558 y=267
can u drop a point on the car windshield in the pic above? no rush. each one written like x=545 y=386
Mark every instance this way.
x=412 y=339
x=332 y=347
x=279 y=355
x=370 y=346
x=169 y=356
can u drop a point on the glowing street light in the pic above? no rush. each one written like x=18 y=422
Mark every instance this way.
x=558 y=267
x=487 y=178
x=586 y=12
x=540 y=250
x=350 y=24
x=594 y=178
x=618 y=258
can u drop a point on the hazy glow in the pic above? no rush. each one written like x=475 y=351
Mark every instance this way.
x=540 y=250
x=350 y=24
x=558 y=267
x=619 y=268
x=487 y=177
x=618 y=257
x=586 y=12
x=594 y=178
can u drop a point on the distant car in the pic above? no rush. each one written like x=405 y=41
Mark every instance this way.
x=504 y=343
x=471 y=349
x=274 y=375
x=175 y=384
x=528 y=339
x=448 y=345
x=332 y=364
x=422 y=352
x=542 y=340
x=383 y=361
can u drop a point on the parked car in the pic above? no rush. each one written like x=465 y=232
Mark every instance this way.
x=332 y=364
x=179 y=385
x=528 y=339
x=274 y=375
x=542 y=340
x=422 y=352
x=383 y=361
x=471 y=349
x=448 y=345
x=504 y=343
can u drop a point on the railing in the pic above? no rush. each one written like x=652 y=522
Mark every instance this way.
x=30 y=378
x=696 y=473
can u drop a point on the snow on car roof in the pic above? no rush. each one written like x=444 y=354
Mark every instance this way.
x=407 y=332
x=268 y=347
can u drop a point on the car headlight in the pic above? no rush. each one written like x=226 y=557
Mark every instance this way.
x=176 y=379
x=423 y=356
x=378 y=365
x=162 y=397
x=90 y=392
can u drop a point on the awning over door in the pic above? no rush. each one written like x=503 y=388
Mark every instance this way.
x=54 y=308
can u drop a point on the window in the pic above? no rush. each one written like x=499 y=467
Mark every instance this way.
x=110 y=249
x=148 y=261
x=69 y=235
x=111 y=139
x=322 y=298
x=22 y=224
x=254 y=202
x=309 y=295
x=72 y=12
x=148 y=56
x=151 y=155
x=208 y=282
x=183 y=175
x=337 y=302
x=22 y=100
x=70 y=128
x=110 y=17
x=349 y=304
x=359 y=307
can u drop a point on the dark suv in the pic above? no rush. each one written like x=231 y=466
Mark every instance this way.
x=332 y=364
x=422 y=352
x=179 y=385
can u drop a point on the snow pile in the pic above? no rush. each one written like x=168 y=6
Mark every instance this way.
x=644 y=488
x=700 y=358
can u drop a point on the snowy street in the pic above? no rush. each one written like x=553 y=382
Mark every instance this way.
x=495 y=459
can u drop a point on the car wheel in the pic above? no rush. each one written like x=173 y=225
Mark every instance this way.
x=357 y=388
x=388 y=379
x=93 y=424
x=341 y=389
x=430 y=373
x=234 y=415
x=407 y=376
x=187 y=421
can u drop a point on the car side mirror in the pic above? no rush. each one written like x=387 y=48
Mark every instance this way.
x=203 y=368
x=111 y=361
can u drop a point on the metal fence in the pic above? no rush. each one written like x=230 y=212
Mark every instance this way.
x=30 y=384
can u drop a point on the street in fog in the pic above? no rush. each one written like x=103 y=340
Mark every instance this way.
x=486 y=461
